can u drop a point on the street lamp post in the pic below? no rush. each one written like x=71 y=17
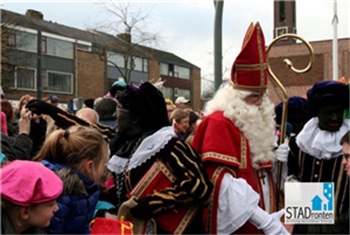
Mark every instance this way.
x=219 y=5
x=38 y=67
x=335 y=42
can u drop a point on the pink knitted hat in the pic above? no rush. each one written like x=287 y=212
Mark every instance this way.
x=26 y=183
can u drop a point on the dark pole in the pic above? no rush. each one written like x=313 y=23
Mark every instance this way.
x=38 y=67
x=219 y=5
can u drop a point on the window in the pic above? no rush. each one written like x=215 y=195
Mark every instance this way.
x=25 y=78
x=137 y=63
x=182 y=72
x=168 y=92
x=282 y=11
x=22 y=78
x=163 y=69
x=171 y=71
x=145 y=64
x=115 y=59
x=58 y=82
x=141 y=64
x=293 y=11
x=59 y=48
x=83 y=47
x=174 y=71
x=28 y=42
x=43 y=45
x=281 y=30
x=23 y=41
x=184 y=93
x=12 y=38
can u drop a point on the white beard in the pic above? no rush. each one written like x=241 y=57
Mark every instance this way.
x=256 y=122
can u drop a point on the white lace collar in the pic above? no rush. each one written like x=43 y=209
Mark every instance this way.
x=147 y=149
x=321 y=144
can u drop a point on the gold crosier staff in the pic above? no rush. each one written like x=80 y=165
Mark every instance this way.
x=289 y=64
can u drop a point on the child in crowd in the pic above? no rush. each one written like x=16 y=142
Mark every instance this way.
x=180 y=120
x=78 y=156
x=7 y=108
x=22 y=102
x=28 y=197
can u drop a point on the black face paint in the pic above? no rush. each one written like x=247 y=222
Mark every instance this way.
x=330 y=117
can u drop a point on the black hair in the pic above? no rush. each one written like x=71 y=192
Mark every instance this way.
x=89 y=103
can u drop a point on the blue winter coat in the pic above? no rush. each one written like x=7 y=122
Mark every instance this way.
x=76 y=204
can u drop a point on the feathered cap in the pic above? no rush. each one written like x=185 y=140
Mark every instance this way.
x=298 y=110
x=249 y=69
x=328 y=93
x=147 y=103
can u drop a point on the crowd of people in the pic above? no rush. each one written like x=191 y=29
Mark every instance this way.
x=135 y=155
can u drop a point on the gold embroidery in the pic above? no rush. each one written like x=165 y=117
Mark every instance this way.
x=250 y=67
x=153 y=172
x=344 y=194
x=185 y=220
x=243 y=164
x=143 y=184
x=214 y=179
x=260 y=88
x=337 y=185
x=272 y=193
x=219 y=156
x=261 y=59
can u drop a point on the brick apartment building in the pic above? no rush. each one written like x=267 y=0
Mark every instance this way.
x=78 y=63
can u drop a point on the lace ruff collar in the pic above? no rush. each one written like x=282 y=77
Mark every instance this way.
x=147 y=149
x=321 y=144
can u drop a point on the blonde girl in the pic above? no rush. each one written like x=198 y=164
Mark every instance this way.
x=78 y=156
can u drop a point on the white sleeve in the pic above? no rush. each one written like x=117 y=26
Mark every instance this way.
x=269 y=223
x=237 y=202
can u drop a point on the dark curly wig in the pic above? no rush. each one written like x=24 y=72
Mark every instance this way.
x=146 y=103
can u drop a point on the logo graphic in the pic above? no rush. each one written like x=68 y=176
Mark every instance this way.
x=309 y=203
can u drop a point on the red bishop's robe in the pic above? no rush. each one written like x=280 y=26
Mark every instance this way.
x=224 y=149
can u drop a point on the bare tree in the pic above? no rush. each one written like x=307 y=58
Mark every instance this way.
x=208 y=83
x=131 y=38
x=208 y=89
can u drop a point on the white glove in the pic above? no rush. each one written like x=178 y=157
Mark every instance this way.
x=269 y=223
x=282 y=151
x=292 y=178
x=125 y=207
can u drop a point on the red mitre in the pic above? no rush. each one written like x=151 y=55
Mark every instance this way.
x=249 y=69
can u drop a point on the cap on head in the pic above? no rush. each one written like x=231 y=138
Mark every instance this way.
x=181 y=100
x=147 y=103
x=89 y=102
x=117 y=85
x=53 y=98
x=249 y=69
x=26 y=183
x=297 y=110
x=327 y=92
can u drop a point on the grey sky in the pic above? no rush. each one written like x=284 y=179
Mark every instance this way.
x=186 y=27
